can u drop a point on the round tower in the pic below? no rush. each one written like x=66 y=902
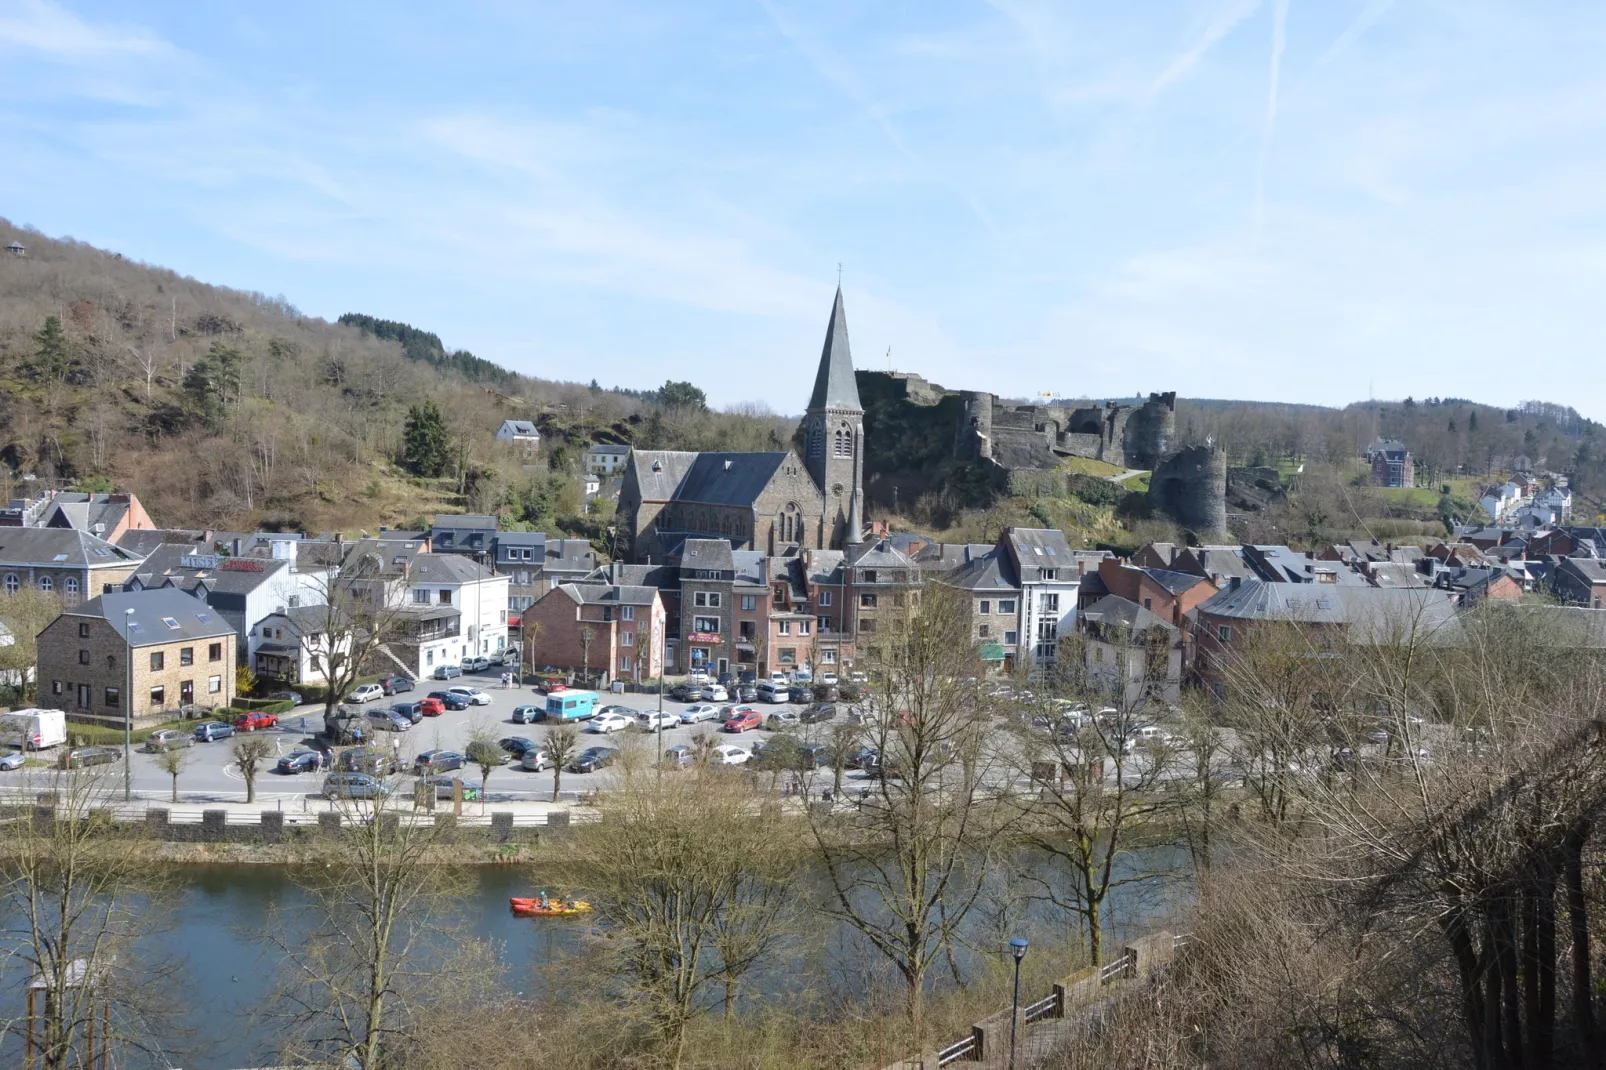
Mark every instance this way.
x=1190 y=486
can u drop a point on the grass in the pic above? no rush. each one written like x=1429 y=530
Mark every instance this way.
x=1089 y=467
x=1420 y=499
x=1139 y=482
x=97 y=735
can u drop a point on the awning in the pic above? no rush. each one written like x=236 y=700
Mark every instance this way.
x=991 y=652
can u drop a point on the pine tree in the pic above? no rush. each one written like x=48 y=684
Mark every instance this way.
x=424 y=447
x=51 y=357
x=1472 y=421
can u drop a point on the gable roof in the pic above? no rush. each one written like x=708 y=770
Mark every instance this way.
x=729 y=478
x=608 y=594
x=520 y=427
x=60 y=548
x=447 y=568
x=460 y=521
x=991 y=571
x=184 y=567
x=707 y=554
x=147 y=624
x=608 y=449
x=1113 y=611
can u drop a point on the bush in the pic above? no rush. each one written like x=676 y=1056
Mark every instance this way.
x=1095 y=491
x=266 y=705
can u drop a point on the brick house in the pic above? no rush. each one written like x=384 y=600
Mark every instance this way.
x=707 y=624
x=882 y=584
x=71 y=564
x=163 y=649
x=992 y=594
x=1580 y=581
x=1168 y=595
x=617 y=631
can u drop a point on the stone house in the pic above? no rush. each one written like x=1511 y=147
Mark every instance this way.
x=71 y=564
x=615 y=631
x=992 y=595
x=883 y=584
x=144 y=653
x=1131 y=655
x=707 y=582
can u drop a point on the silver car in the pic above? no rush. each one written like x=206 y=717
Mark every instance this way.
x=12 y=759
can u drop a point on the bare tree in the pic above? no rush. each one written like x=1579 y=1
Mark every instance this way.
x=360 y=612
x=249 y=752
x=172 y=760
x=486 y=753
x=560 y=746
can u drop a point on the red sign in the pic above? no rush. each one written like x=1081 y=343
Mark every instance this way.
x=241 y=564
x=704 y=637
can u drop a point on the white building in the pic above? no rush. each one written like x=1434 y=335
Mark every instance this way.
x=460 y=607
x=1050 y=578
x=294 y=645
x=521 y=432
x=1503 y=501
x=605 y=460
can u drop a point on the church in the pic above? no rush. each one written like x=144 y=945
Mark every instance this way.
x=776 y=503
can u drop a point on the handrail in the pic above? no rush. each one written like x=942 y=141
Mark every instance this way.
x=1047 y=1007
x=959 y=1049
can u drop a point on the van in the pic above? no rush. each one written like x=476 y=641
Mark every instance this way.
x=570 y=705
x=34 y=729
x=770 y=691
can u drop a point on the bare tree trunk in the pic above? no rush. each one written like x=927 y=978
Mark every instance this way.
x=1578 y=927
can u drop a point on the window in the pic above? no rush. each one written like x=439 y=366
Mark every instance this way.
x=158 y=660
x=985 y=608
x=186 y=692
x=55 y=687
x=700 y=599
x=627 y=638
x=83 y=657
x=158 y=696
x=111 y=661
x=713 y=599
x=1011 y=638
x=783 y=627
x=788 y=655
x=1098 y=654
x=1223 y=633
x=446 y=598
x=867 y=576
x=69 y=587
x=83 y=630
x=1006 y=605
x=13 y=585
x=802 y=627
x=1048 y=631
x=824 y=625
x=867 y=625
x=214 y=684
x=844 y=442
x=186 y=655
x=627 y=612
x=828 y=656
x=295 y=601
x=214 y=652
x=1049 y=573
x=1048 y=603
x=46 y=583
x=420 y=596
x=624 y=663
x=825 y=599
x=749 y=602
x=867 y=601
x=171 y=623
x=706 y=625
x=983 y=631
x=1148 y=603
x=114 y=697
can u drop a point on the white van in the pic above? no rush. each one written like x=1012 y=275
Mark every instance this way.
x=34 y=729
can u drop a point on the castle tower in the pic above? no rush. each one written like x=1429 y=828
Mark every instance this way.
x=833 y=434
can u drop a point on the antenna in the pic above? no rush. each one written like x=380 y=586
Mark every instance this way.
x=839 y=274
x=889 y=358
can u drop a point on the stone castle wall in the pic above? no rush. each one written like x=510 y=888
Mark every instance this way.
x=1190 y=486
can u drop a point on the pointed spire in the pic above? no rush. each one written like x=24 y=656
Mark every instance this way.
x=834 y=385
x=855 y=533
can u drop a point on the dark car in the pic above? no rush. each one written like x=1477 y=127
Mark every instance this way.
x=366 y=760
x=801 y=693
x=819 y=711
x=725 y=679
x=593 y=758
x=444 y=785
x=449 y=700
x=211 y=730
x=860 y=758
x=687 y=693
x=78 y=757
x=438 y=761
x=517 y=745
x=413 y=711
x=395 y=685
x=292 y=697
x=528 y=714
x=300 y=761
x=747 y=676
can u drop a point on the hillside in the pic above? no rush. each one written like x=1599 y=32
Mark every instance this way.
x=228 y=409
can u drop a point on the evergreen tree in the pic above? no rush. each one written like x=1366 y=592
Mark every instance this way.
x=1472 y=421
x=675 y=395
x=51 y=357
x=212 y=381
x=424 y=448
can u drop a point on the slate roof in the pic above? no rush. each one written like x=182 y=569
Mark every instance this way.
x=824 y=567
x=83 y=511
x=1369 y=613
x=166 y=565
x=663 y=577
x=992 y=571
x=142 y=541
x=520 y=427
x=1222 y=562
x=834 y=384
x=147 y=625
x=1173 y=582
x=877 y=554
x=447 y=568
x=729 y=478
x=59 y=548
x=464 y=521
x=659 y=473
x=1043 y=547
x=1396 y=574
x=750 y=567
x=1113 y=611
x=593 y=594
x=709 y=554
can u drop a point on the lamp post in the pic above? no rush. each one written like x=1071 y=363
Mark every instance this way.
x=663 y=670
x=128 y=705
x=1017 y=947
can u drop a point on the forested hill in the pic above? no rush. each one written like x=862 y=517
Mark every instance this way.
x=227 y=409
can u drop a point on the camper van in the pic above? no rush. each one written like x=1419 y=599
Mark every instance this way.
x=34 y=729
x=569 y=705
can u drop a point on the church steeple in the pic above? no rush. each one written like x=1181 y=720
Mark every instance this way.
x=834 y=434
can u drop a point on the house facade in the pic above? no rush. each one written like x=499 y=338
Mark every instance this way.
x=1131 y=656
x=613 y=630
x=293 y=646
x=70 y=564
x=1049 y=575
x=606 y=459
x=519 y=433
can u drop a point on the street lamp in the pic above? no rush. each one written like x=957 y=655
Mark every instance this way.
x=128 y=704
x=1017 y=947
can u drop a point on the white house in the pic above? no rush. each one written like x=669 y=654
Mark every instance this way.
x=1050 y=578
x=1501 y=502
x=459 y=607
x=1559 y=501
x=294 y=645
x=604 y=459
x=521 y=432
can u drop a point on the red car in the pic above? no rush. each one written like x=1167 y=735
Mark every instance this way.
x=432 y=707
x=744 y=722
x=251 y=720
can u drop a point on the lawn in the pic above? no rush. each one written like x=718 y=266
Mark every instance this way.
x=1088 y=467
x=1139 y=482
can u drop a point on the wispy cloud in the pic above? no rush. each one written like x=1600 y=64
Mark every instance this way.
x=1218 y=25
x=42 y=27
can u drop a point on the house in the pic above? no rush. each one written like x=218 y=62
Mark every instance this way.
x=992 y=594
x=707 y=579
x=1049 y=573
x=1470 y=586
x=456 y=608
x=1502 y=501
x=881 y=585
x=774 y=502
x=825 y=577
x=106 y=516
x=1132 y=656
x=1392 y=465
x=567 y=560
x=463 y=533
x=243 y=589
x=293 y=645
x=1580 y=581
x=518 y=432
x=70 y=564
x=143 y=654
x=605 y=459
x=520 y=556
x=593 y=628
x=1169 y=595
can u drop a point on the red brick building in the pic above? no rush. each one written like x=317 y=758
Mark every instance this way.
x=613 y=630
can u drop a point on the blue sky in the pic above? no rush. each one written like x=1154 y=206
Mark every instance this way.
x=1286 y=200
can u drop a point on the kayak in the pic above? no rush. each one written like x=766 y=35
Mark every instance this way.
x=555 y=908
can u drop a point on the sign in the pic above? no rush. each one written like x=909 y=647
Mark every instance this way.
x=242 y=564
x=703 y=637
x=198 y=561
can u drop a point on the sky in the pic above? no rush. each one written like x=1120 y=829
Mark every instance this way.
x=1281 y=201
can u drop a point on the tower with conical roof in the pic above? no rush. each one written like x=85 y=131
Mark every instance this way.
x=833 y=435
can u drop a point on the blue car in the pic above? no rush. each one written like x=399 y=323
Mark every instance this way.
x=301 y=761
x=529 y=714
x=211 y=730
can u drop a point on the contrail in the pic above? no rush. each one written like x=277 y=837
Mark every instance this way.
x=1279 y=37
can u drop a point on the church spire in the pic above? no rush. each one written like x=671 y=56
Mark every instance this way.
x=834 y=385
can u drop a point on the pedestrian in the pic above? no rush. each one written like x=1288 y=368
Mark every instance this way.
x=278 y=745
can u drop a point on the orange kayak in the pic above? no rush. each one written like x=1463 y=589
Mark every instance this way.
x=555 y=908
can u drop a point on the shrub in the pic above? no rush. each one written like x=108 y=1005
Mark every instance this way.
x=1095 y=491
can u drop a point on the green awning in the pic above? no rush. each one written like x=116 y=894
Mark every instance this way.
x=992 y=652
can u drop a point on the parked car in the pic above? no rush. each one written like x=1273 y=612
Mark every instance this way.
x=819 y=711
x=354 y=786
x=656 y=720
x=828 y=679
x=366 y=693
x=734 y=710
x=366 y=760
x=413 y=711
x=703 y=711
x=299 y=761
x=687 y=693
x=476 y=664
x=529 y=714
x=292 y=697
x=450 y=700
x=168 y=739
x=726 y=754
x=715 y=693
x=389 y=721
x=745 y=693
x=432 y=707
x=770 y=691
x=447 y=672
x=471 y=695
x=78 y=757
x=444 y=786
x=207 y=731
x=679 y=756
x=12 y=759
x=825 y=693
x=782 y=719
x=534 y=760
x=395 y=685
x=850 y=692
x=698 y=676
x=438 y=761
x=252 y=720
x=518 y=746
x=593 y=758
x=860 y=758
x=609 y=722
x=744 y=722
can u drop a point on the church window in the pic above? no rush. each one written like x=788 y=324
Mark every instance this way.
x=816 y=440
x=844 y=442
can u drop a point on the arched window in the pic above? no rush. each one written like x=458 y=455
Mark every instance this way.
x=69 y=588
x=844 y=442
x=13 y=585
x=46 y=584
x=816 y=440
